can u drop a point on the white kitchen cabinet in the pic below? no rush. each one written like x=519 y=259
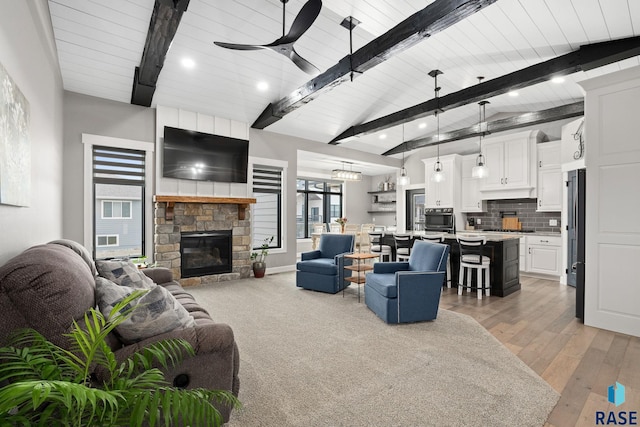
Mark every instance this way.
x=445 y=194
x=471 y=200
x=511 y=161
x=549 y=191
x=549 y=155
x=549 y=177
x=544 y=255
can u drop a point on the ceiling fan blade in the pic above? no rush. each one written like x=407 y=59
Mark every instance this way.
x=302 y=63
x=236 y=46
x=303 y=21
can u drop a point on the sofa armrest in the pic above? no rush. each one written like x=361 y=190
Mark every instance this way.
x=159 y=275
x=390 y=267
x=306 y=256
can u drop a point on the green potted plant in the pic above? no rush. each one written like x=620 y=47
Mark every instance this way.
x=259 y=264
x=85 y=385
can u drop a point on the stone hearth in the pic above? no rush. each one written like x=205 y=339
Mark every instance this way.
x=171 y=219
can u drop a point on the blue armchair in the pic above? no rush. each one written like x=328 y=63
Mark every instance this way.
x=401 y=292
x=323 y=269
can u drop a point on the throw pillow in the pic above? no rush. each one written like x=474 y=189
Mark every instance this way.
x=124 y=273
x=155 y=312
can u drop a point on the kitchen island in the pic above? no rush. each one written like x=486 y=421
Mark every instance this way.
x=502 y=248
x=504 y=251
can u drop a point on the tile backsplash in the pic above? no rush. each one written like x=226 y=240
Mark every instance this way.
x=525 y=210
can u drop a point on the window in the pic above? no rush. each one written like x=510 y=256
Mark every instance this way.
x=118 y=193
x=107 y=240
x=267 y=212
x=317 y=202
x=116 y=209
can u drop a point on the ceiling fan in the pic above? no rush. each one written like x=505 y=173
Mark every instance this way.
x=284 y=45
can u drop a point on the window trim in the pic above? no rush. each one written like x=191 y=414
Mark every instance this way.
x=117 y=236
x=122 y=202
x=284 y=165
x=89 y=140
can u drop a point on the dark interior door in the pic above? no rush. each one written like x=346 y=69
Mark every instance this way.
x=572 y=231
x=581 y=213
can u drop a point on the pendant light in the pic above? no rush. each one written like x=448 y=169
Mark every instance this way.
x=403 y=179
x=480 y=169
x=438 y=173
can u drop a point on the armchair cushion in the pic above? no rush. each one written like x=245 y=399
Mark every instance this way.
x=325 y=266
x=384 y=284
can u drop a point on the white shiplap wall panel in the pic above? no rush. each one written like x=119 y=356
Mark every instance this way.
x=617 y=18
x=176 y=117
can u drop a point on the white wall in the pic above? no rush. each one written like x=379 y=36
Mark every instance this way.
x=28 y=54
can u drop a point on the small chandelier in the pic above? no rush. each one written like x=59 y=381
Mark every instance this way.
x=480 y=170
x=403 y=179
x=346 y=175
x=438 y=174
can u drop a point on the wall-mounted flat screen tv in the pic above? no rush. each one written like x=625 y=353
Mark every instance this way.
x=203 y=156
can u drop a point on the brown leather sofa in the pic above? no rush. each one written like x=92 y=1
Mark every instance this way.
x=48 y=286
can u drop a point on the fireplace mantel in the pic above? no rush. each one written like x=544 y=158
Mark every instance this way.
x=242 y=202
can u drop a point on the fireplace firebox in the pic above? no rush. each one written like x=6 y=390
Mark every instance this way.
x=206 y=253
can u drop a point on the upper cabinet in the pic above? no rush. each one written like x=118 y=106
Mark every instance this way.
x=471 y=200
x=549 y=177
x=512 y=163
x=444 y=194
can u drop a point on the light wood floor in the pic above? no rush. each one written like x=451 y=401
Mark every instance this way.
x=538 y=324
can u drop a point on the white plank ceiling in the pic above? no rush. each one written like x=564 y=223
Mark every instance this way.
x=100 y=42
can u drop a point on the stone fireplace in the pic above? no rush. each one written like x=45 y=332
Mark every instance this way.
x=199 y=218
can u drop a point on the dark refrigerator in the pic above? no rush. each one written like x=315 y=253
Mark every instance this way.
x=576 y=236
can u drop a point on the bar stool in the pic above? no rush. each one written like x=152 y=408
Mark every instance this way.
x=472 y=258
x=377 y=248
x=403 y=246
x=439 y=238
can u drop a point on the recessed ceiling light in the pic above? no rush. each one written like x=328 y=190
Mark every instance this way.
x=188 y=63
x=383 y=136
x=558 y=80
x=422 y=125
x=262 y=86
x=513 y=93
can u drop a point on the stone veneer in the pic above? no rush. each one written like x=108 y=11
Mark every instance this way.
x=190 y=217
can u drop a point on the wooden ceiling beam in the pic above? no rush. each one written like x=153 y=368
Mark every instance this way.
x=163 y=25
x=434 y=18
x=518 y=121
x=585 y=58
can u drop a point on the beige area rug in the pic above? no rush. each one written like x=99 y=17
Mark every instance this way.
x=315 y=359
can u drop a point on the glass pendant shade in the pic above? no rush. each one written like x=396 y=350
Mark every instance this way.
x=438 y=174
x=403 y=179
x=480 y=170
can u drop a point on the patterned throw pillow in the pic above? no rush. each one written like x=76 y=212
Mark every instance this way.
x=156 y=312
x=124 y=273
